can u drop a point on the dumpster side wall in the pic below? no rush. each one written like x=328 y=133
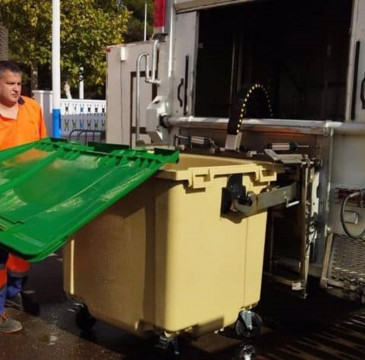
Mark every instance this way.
x=207 y=266
x=113 y=261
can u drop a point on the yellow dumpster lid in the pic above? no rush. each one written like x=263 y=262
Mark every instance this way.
x=51 y=188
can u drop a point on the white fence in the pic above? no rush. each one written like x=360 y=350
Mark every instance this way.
x=79 y=118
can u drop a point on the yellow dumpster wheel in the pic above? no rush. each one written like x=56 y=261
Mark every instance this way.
x=83 y=319
x=248 y=328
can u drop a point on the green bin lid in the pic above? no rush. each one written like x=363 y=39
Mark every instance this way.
x=51 y=188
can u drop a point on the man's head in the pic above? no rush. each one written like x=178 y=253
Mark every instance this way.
x=10 y=83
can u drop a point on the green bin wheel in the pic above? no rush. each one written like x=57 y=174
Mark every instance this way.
x=242 y=329
x=83 y=319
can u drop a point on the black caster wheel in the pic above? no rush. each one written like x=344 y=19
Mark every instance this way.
x=168 y=347
x=248 y=325
x=246 y=352
x=83 y=319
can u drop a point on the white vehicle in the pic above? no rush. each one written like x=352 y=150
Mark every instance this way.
x=275 y=80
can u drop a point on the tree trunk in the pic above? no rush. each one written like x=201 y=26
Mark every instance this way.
x=67 y=90
x=4 y=43
x=34 y=76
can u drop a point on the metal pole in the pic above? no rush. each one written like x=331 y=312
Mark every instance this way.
x=81 y=83
x=56 y=70
x=145 y=21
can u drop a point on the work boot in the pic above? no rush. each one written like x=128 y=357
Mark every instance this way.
x=8 y=325
x=23 y=302
x=15 y=302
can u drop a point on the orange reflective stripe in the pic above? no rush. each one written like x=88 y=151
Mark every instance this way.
x=17 y=265
x=3 y=278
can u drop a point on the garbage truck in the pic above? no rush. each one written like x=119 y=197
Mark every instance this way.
x=279 y=81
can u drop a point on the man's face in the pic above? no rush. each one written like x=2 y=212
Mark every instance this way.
x=10 y=88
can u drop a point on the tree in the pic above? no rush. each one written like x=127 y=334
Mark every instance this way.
x=99 y=24
x=135 y=31
x=3 y=42
x=87 y=28
x=29 y=34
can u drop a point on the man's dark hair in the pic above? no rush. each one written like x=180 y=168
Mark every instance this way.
x=9 y=66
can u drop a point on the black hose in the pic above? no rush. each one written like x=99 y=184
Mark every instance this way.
x=343 y=206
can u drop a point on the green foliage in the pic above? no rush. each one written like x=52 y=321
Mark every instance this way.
x=87 y=28
x=135 y=31
x=29 y=27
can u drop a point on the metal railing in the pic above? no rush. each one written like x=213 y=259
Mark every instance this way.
x=81 y=119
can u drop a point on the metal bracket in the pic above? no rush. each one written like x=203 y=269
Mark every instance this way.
x=255 y=203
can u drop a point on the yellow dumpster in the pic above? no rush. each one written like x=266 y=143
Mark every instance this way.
x=165 y=256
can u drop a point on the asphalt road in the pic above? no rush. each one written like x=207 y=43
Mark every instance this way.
x=321 y=327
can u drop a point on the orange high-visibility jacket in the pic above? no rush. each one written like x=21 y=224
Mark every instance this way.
x=29 y=126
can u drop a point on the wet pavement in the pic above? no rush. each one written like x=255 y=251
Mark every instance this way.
x=321 y=327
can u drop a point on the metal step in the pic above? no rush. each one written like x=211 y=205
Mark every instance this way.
x=344 y=267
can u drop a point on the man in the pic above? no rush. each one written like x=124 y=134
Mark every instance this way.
x=21 y=121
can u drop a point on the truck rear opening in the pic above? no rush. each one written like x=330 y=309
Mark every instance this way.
x=297 y=50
